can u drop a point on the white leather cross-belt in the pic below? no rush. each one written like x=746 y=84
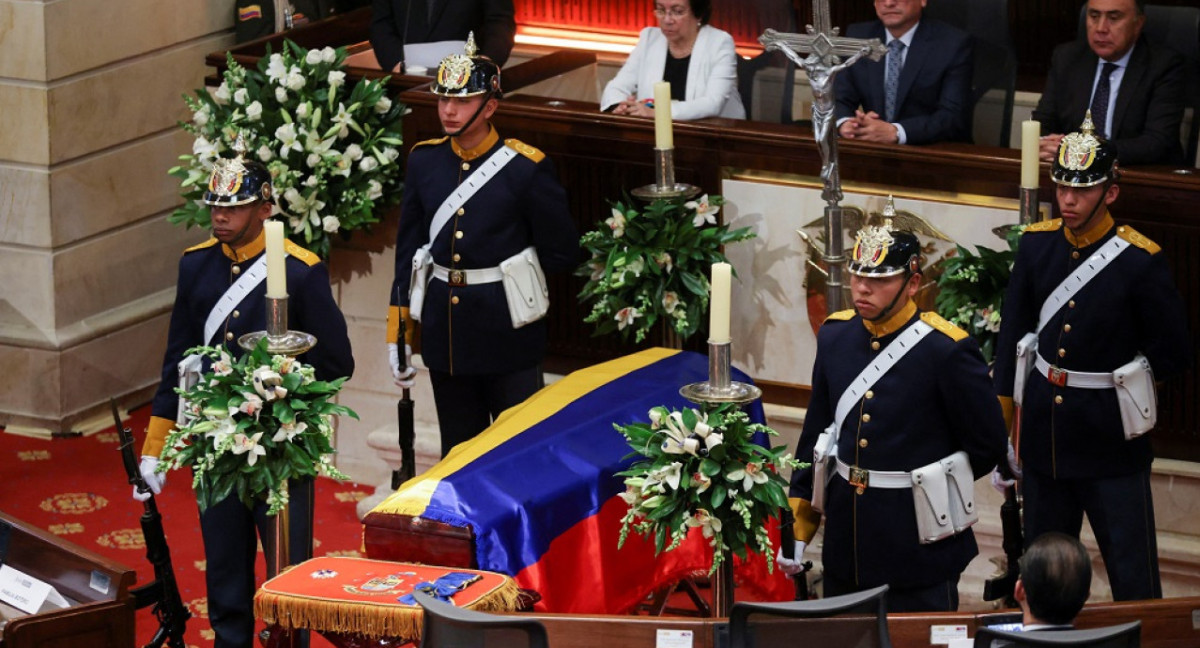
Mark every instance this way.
x=1080 y=379
x=457 y=277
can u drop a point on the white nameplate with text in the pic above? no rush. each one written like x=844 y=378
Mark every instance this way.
x=673 y=639
x=26 y=593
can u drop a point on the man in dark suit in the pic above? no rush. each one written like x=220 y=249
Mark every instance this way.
x=920 y=92
x=396 y=23
x=1134 y=88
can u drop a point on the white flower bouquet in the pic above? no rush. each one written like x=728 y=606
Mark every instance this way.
x=706 y=471
x=653 y=265
x=256 y=422
x=333 y=150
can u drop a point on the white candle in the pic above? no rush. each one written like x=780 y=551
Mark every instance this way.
x=664 y=138
x=276 y=270
x=1030 y=132
x=718 y=322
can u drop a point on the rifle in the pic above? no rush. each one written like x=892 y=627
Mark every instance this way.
x=787 y=545
x=1013 y=542
x=163 y=591
x=407 y=432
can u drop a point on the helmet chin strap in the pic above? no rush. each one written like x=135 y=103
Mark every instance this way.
x=478 y=111
x=887 y=312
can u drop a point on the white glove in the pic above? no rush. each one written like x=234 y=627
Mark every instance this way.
x=405 y=374
x=154 y=480
x=796 y=564
x=999 y=482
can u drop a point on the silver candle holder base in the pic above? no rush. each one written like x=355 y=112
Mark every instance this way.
x=1029 y=209
x=720 y=388
x=280 y=341
x=664 y=186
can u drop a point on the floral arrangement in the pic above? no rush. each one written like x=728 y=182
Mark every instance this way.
x=705 y=470
x=652 y=264
x=971 y=289
x=332 y=150
x=255 y=422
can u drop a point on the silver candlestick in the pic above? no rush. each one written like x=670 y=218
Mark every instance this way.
x=1029 y=210
x=719 y=388
x=280 y=341
x=664 y=180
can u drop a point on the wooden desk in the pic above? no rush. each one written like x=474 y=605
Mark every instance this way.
x=104 y=612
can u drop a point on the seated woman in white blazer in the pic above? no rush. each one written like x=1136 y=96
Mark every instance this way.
x=698 y=59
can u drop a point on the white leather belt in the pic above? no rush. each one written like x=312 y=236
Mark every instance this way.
x=1080 y=379
x=864 y=478
x=457 y=277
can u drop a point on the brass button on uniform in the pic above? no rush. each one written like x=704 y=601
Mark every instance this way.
x=866 y=418
x=1062 y=353
x=862 y=443
x=458 y=234
x=229 y=335
x=1058 y=400
x=454 y=299
x=874 y=345
x=236 y=314
x=869 y=395
x=457 y=258
x=1071 y=304
x=1075 y=254
x=1066 y=328
x=461 y=211
x=466 y=166
x=235 y=269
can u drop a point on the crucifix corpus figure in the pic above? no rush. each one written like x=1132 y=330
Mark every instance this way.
x=824 y=49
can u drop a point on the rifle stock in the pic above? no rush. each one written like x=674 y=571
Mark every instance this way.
x=163 y=591
x=405 y=428
x=1013 y=541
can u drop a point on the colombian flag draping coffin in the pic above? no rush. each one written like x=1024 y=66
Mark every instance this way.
x=537 y=489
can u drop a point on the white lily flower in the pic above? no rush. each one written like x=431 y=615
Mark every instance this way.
x=295 y=80
x=708 y=524
x=625 y=317
x=289 y=431
x=670 y=301
x=336 y=79
x=344 y=119
x=252 y=405
x=616 y=223
x=240 y=96
x=254 y=111
x=752 y=474
x=221 y=94
x=701 y=482
x=201 y=117
x=281 y=94
x=705 y=211
x=243 y=444
x=353 y=153
x=288 y=139
x=268 y=384
x=374 y=189
x=276 y=69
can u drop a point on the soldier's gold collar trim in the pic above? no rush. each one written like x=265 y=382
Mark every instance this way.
x=247 y=251
x=1093 y=233
x=893 y=323
x=478 y=150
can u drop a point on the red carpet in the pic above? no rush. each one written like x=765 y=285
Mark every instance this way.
x=76 y=488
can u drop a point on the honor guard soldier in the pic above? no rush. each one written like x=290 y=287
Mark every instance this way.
x=901 y=418
x=481 y=221
x=1091 y=318
x=219 y=297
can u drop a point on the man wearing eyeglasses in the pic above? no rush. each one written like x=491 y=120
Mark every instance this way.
x=920 y=93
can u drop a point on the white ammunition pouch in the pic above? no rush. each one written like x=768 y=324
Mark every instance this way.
x=525 y=287
x=1026 y=356
x=421 y=264
x=190 y=369
x=824 y=466
x=1134 y=383
x=944 y=498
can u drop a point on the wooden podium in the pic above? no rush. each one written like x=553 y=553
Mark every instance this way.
x=101 y=614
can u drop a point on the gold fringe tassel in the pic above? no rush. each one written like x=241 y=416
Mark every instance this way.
x=372 y=620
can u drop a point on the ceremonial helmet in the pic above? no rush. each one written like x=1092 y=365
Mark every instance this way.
x=1083 y=159
x=466 y=74
x=880 y=251
x=238 y=181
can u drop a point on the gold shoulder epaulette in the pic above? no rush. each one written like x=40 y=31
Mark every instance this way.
x=304 y=255
x=942 y=324
x=1136 y=239
x=841 y=316
x=430 y=142
x=525 y=149
x=1052 y=225
x=200 y=246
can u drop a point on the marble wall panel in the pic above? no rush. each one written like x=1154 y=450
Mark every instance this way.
x=87 y=34
x=112 y=365
x=117 y=187
x=24 y=205
x=120 y=103
x=26 y=297
x=117 y=268
x=22 y=40
x=29 y=382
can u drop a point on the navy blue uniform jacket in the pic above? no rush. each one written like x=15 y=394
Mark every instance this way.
x=468 y=330
x=1132 y=306
x=933 y=100
x=935 y=401
x=206 y=271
